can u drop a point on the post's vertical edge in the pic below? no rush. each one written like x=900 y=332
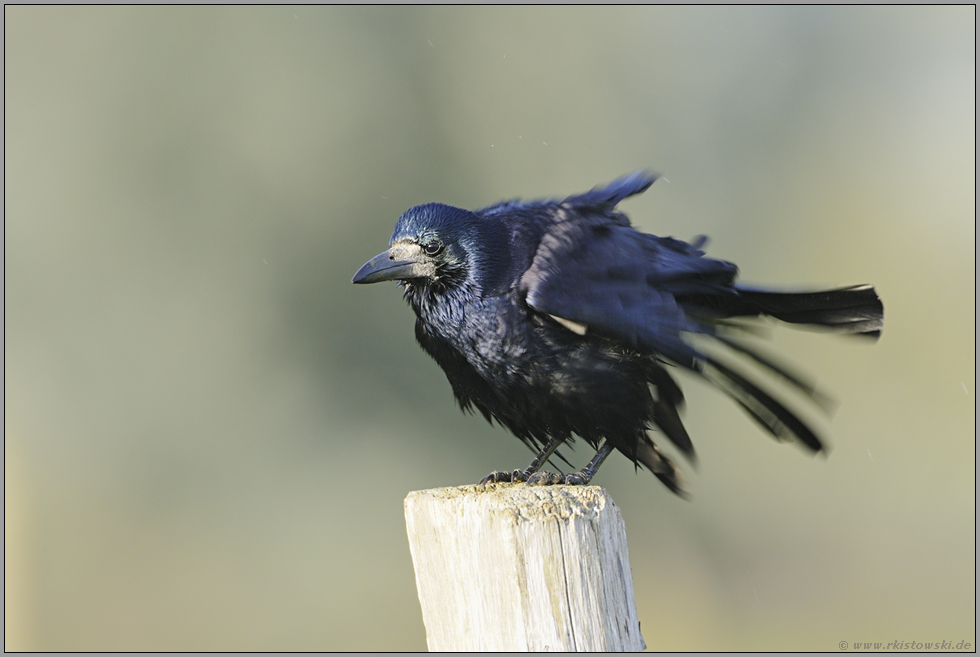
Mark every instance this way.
x=516 y=567
x=619 y=582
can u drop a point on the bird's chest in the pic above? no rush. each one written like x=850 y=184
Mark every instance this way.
x=493 y=336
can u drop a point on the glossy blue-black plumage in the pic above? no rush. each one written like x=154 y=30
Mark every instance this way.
x=557 y=318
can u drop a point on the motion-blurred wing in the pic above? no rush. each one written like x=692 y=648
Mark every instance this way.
x=607 y=196
x=592 y=273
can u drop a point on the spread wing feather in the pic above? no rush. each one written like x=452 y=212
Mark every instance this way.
x=596 y=272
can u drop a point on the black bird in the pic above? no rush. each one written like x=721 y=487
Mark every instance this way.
x=557 y=318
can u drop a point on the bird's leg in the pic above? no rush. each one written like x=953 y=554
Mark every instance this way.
x=580 y=478
x=584 y=476
x=523 y=475
x=541 y=458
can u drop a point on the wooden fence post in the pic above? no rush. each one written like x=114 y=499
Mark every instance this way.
x=512 y=567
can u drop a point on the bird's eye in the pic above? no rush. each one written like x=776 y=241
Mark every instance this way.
x=432 y=249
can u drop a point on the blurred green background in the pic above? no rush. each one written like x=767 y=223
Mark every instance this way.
x=209 y=431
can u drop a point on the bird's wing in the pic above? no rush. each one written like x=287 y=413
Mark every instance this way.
x=591 y=273
x=606 y=197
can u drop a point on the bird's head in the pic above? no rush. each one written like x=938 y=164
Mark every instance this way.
x=435 y=247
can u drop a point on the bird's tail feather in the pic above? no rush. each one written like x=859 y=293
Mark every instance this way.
x=856 y=309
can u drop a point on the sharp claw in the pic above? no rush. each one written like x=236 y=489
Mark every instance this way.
x=496 y=477
x=544 y=479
